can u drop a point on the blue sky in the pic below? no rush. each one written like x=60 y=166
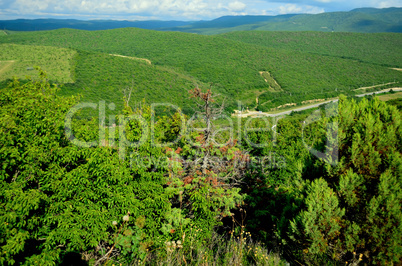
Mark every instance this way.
x=174 y=9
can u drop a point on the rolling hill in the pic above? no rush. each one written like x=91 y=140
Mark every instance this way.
x=375 y=48
x=358 y=20
x=237 y=70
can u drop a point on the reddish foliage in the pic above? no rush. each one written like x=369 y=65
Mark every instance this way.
x=178 y=150
x=205 y=96
x=200 y=139
x=224 y=149
x=188 y=180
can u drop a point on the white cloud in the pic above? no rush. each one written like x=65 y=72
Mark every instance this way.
x=289 y=8
x=296 y=9
x=176 y=9
x=237 y=6
x=190 y=9
x=27 y=6
x=390 y=3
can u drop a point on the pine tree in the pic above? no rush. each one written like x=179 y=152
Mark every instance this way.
x=360 y=210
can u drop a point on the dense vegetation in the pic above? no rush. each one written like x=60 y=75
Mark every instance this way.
x=124 y=199
x=232 y=66
x=369 y=48
x=125 y=153
x=396 y=102
x=58 y=198
x=100 y=76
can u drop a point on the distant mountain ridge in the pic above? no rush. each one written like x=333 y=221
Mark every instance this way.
x=356 y=20
x=362 y=20
x=53 y=24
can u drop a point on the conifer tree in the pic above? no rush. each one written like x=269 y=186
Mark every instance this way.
x=363 y=199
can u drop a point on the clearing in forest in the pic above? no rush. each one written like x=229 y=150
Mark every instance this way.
x=19 y=61
x=273 y=84
x=390 y=96
x=133 y=58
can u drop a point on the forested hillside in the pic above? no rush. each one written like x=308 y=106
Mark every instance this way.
x=233 y=67
x=75 y=192
x=359 y=20
x=100 y=76
x=365 y=20
x=369 y=48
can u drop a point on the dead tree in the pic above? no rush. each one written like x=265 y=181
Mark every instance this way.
x=208 y=110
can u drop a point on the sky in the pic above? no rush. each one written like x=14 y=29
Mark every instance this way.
x=174 y=9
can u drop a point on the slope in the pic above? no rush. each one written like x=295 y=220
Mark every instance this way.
x=383 y=20
x=377 y=48
x=358 y=20
x=232 y=67
x=19 y=61
x=103 y=77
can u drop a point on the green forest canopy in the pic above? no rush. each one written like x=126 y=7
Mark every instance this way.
x=303 y=64
x=58 y=199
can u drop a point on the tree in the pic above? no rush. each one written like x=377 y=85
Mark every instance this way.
x=364 y=212
x=203 y=172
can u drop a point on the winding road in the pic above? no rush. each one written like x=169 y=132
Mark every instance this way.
x=301 y=108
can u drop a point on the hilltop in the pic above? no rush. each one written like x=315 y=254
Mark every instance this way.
x=366 y=20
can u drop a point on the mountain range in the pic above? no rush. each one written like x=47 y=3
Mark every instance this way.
x=357 y=20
